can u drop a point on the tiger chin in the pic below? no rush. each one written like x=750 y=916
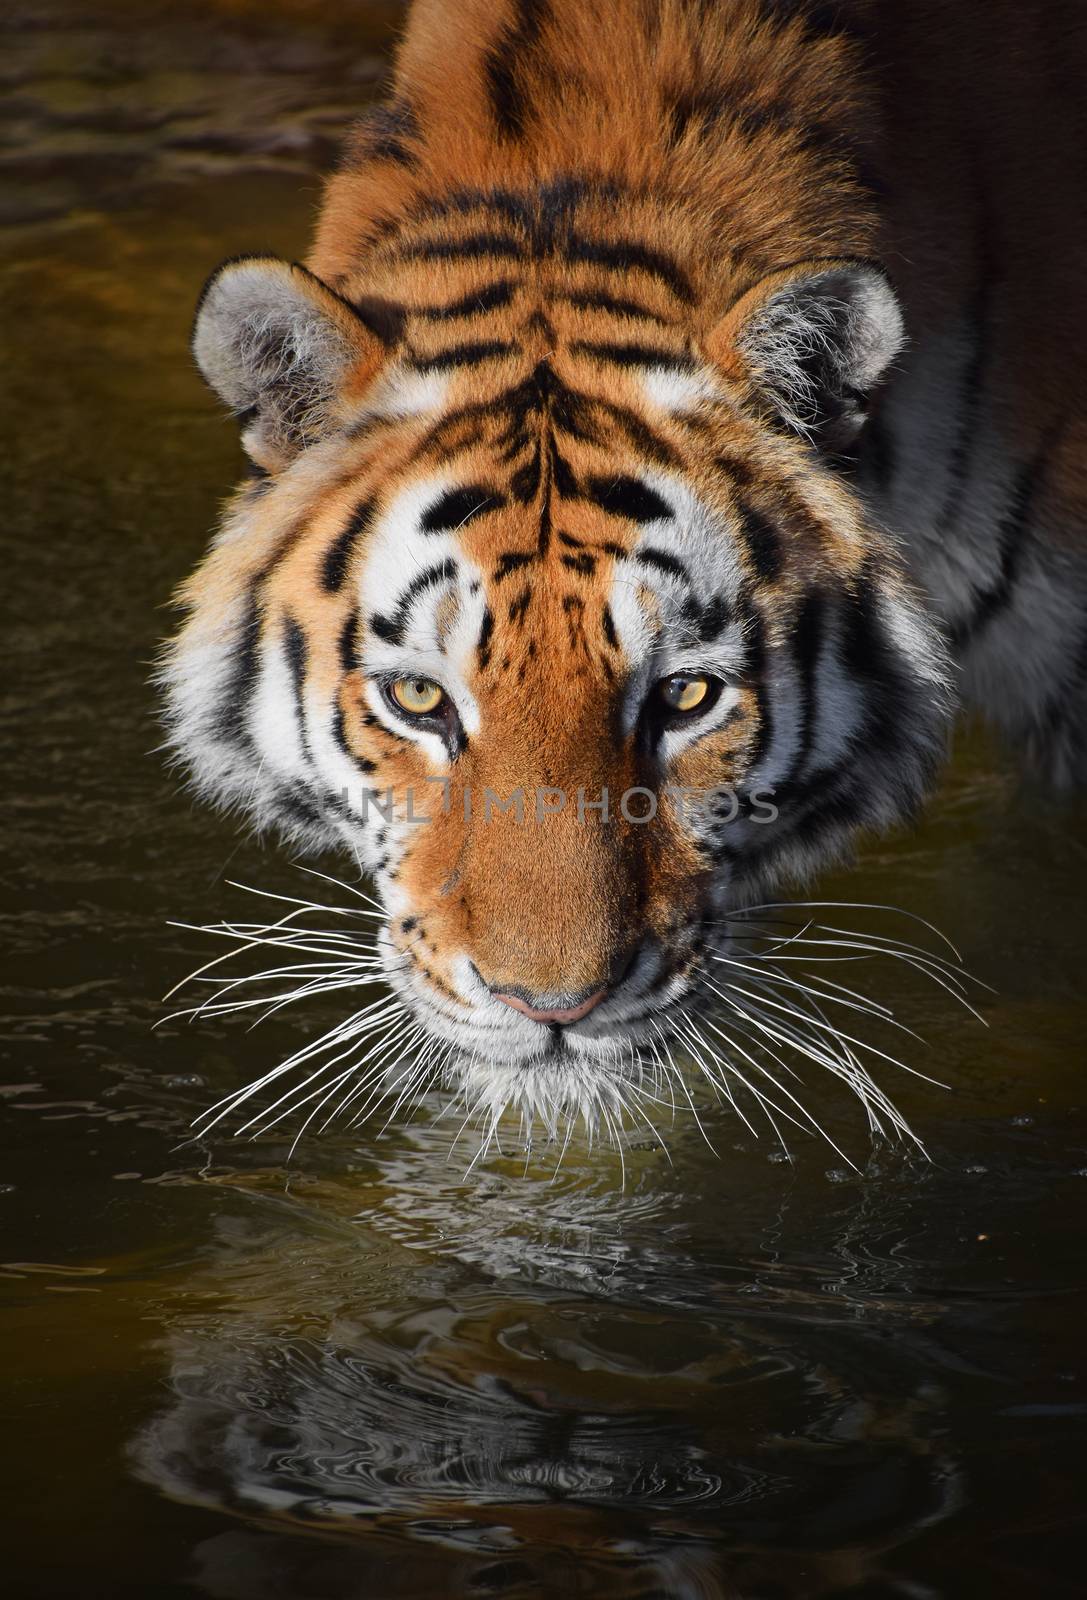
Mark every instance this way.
x=559 y=488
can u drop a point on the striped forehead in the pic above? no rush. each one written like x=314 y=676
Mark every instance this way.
x=450 y=563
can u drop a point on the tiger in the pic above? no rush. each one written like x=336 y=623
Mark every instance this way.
x=420 y=1453
x=673 y=421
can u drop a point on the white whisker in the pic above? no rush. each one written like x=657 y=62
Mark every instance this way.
x=755 y=1017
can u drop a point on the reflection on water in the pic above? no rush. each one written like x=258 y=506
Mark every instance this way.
x=516 y=1421
x=706 y=1385
x=362 y=1374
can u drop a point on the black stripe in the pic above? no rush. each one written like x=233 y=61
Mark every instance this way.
x=348 y=643
x=713 y=618
x=807 y=643
x=650 y=556
x=386 y=134
x=871 y=661
x=1061 y=715
x=231 y=719
x=1012 y=540
x=843 y=806
x=338 y=555
x=469 y=247
x=297 y=650
x=339 y=734
x=741 y=472
x=429 y=578
x=525 y=482
x=462 y=426
x=563 y=480
x=472 y=354
x=456 y=430
x=489 y=298
x=543 y=543
x=632 y=355
x=625 y=255
x=755 y=673
x=785 y=120
x=391 y=628
x=600 y=300
x=295 y=805
x=459 y=507
x=510 y=205
x=510 y=562
x=703 y=107
x=554 y=204
x=485 y=633
x=627 y=497
x=608 y=622
x=762 y=542
x=502 y=67
x=297 y=653
x=640 y=434
x=572 y=412
x=864 y=647
x=582 y=563
x=386 y=319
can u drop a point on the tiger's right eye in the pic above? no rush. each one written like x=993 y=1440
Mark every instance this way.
x=419 y=697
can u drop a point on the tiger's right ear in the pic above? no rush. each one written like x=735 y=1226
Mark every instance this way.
x=284 y=352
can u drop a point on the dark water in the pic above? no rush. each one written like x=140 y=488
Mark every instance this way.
x=365 y=1374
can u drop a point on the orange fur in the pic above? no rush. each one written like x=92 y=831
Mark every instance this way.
x=552 y=186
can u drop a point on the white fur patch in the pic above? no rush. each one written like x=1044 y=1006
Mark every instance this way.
x=659 y=639
x=273 y=723
x=398 y=552
x=404 y=393
x=677 y=391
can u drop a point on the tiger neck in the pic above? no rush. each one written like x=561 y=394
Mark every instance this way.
x=728 y=140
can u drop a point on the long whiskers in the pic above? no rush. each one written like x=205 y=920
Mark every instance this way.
x=765 y=999
x=353 y=1056
x=762 y=1008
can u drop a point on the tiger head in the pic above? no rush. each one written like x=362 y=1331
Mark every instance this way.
x=548 y=602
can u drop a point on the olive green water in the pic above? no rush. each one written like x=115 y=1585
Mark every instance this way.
x=364 y=1374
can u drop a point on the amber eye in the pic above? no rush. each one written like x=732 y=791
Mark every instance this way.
x=419 y=697
x=683 y=694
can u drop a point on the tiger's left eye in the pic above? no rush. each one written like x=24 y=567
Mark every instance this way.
x=419 y=697
x=683 y=694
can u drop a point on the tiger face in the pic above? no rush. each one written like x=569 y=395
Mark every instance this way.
x=548 y=606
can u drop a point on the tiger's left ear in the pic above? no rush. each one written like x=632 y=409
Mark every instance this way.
x=284 y=352
x=812 y=341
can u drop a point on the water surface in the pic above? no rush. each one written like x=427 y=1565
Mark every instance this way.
x=362 y=1372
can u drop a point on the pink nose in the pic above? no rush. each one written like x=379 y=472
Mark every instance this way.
x=566 y=1014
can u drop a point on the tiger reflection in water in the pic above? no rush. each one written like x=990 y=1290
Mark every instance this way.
x=488 y=1444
